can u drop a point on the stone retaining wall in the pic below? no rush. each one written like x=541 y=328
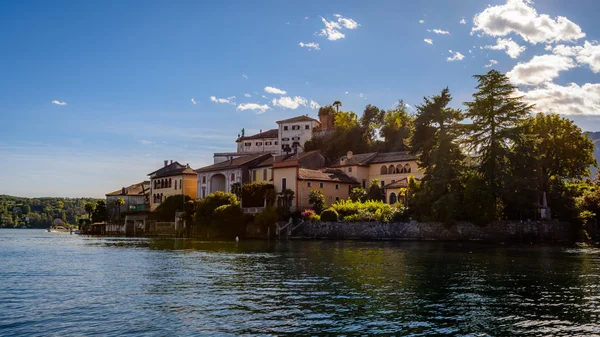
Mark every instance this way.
x=501 y=231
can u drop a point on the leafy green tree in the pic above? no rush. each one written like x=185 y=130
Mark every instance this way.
x=396 y=128
x=497 y=116
x=375 y=192
x=60 y=204
x=25 y=209
x=171 y=205
x=436 y=143
x=317 y=200
x=100 y=212
x=236 y=188
x=358 y=194
x=118 y=203
x=89 y=208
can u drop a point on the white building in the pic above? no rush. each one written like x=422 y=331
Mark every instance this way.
x=294 y=132
x=264 y=142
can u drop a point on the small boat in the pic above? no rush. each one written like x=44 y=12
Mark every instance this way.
x=58 y=229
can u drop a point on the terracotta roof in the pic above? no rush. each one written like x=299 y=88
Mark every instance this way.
x=233 y=163
x=387 y=157
x=293 y=156
x=273 y=133
x=170 y=170
x=133 y=190
x=326 y=175
x=402 y=183
x=357 y=159
x=298 y=119
x=266 y=162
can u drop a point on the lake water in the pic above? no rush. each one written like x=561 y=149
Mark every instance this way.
x=61 y=284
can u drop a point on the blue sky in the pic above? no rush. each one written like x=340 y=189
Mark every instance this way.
x=96 y=94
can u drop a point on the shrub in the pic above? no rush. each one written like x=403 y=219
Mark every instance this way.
x=255 y=194
x=366 y=211
x=317 y=200
x=267 y=218
x=358 y=194
x=308 y=213
x=329 y=215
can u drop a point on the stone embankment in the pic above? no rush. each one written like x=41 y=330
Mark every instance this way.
x=501 y=231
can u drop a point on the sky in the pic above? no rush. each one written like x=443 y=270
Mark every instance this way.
x=94 y=95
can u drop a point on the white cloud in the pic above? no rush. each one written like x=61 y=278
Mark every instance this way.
x=194 y=101
x=511 y=47
x=146 y=142
x=310 y=45
x=588 y=54
x=287 y=102
x=430 y=41
x=314 y=105
x=421 y=21
x=228 y=100
x=245 y=76
x=263 y=96
x=346 y=93
x=470 y=51
x=571 y=99
x=306 y=18
x=456 y=57
x=439 y=31
x=59 y=102
x=492 y=62
x=517 y=16
x=276 y=91
x=247 y=95
x=253 y=106
x=540 y=69
x=287 y=23
x=462 y=21
x=360 y=94
x=332 y=28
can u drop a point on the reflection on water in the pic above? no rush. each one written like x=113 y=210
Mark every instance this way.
x=72 y=285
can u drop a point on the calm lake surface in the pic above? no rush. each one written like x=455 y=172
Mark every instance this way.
x=60 y=284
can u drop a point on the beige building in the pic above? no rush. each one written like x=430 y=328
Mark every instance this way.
x=294 y=132
x=392 y=169
x=334 y=184
x=172 y=179
x=220 y=176
x=135 y=197
x=262 y=172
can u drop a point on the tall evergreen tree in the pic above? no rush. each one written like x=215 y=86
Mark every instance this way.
x=497 y=116
x=436 y=141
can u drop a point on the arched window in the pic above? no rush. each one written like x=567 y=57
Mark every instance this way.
x=383 y=170
x=175 y=184
x=160 y=184
x=161 y=197
x=399 y=168
x=391 y=169
x=407 y=168
x=233 y=177
x=204 y=179
x=170 y=183
x=393 y=198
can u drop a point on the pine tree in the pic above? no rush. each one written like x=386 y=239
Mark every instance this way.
x=497 y=116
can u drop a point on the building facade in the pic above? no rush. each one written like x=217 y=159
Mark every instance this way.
x=172 y=179
x=135 y=197
x=294 y=132
x=263 y=142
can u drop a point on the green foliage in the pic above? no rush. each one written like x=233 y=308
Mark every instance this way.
x=358 y=194
x=375 y=192
x=353 y=211
x=89 y=208
x=170 y=206
x=317 y=200
x=255 y=194
x=310 y=215
x=206 y=207
x=219 y=214
x=329 y=215
x=236 y=188
x=100 y=213
x=267 y=219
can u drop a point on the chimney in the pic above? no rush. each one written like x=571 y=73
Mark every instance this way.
x=349 y=155
x=166 y=163
x=123 y=191
x=171 y=161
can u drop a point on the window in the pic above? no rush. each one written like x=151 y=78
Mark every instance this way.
x=253 y=175
x=320 y=185
x=268 y=143
x=295 y=138
x=247 y=144
x=232 y=177
x=175 y=184
x=170 y=183
x=264 y=174
x=391 y=169
x=393 y=198
x=349 y=169
x=276 y=143
x=382 y=183
x=309 y=184
x=283 y=184
x=285 y=139
x=383 y=170
x=180 y=184
x=204 y=179
x=203 y=192
x=306 y=127
x=364 y=183
x=258 y=143
x=407 y=168
x=285 y=128
x=337 y=198
x=295 y=127
x=337 y=187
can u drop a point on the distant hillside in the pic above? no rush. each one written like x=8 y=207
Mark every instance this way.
x=595 y=137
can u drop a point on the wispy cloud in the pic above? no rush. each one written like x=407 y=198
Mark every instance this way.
x=289 y=102
x=228 y=100
x=146 y=142
x=193 y=101
x=247 y=95
x=314 y=105
x=430 y=41
x=462 y=21
x=59 y=102
x=332 y=28
x=276 y=91
x=259 y=108
x=492 y=63
x=245 y=76
x=511 y=47
x=439 y=31
x=310 y=45
x=455 y=57
x=421 y=21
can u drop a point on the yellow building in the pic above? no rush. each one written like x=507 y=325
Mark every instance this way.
x=262 y=172
x=172 y=179
x=392 y=169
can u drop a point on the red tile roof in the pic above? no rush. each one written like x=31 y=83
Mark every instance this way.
x=326 y=175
